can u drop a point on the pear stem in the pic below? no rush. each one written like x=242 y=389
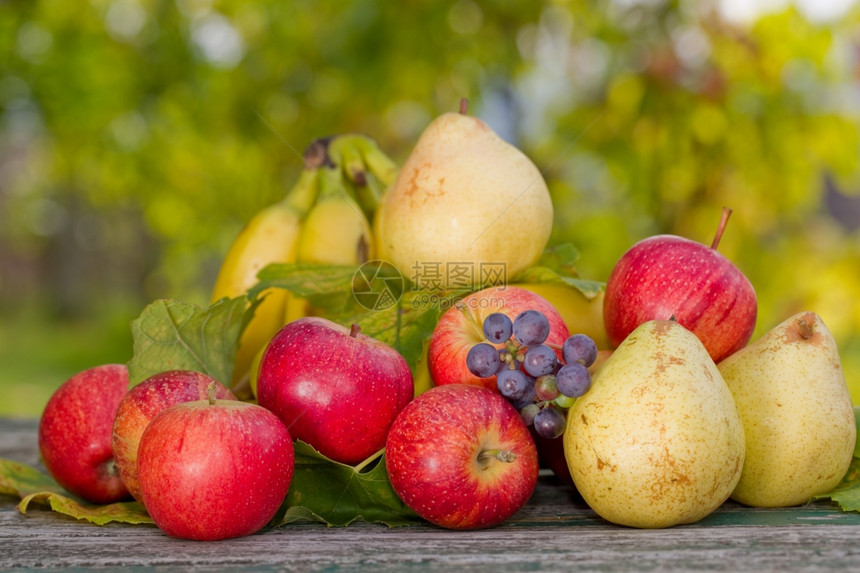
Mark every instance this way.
x=464 y=106
x=724 y=219
x=805 y=329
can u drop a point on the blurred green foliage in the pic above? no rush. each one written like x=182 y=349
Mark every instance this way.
x=137 y=136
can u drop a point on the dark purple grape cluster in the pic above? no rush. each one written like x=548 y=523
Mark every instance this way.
x=527 y=369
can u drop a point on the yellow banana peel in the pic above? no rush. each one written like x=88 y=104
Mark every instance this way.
x=336 y=230
x=271 y=236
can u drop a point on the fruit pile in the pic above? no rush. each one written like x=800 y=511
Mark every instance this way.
x=645 y=394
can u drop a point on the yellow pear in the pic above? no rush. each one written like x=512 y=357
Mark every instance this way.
x=798 y=418
x=466 y=209
x=657 y=441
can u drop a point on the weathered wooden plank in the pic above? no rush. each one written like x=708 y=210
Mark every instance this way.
x=555 y=532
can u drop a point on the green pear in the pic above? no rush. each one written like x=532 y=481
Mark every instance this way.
x=466 y=209
x=796 y=410
x=657 y=441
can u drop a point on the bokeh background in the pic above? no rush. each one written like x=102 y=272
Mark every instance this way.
x=137 y=137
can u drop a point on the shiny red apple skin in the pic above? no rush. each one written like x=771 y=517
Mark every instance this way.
x=666 y=275
x=337 y=392
x=211 y=471
x=432 y=457
x=141 y=404
x=75 y=433
x=455 y=333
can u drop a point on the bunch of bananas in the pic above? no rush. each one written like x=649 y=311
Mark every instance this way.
x=324 y=219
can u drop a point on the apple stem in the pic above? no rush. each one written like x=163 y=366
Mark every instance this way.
x=724 y=219
x=354 y=330
x=210 y=392
x=464 y=106
x=506 y=456
x=473 y=322
x=368 y=461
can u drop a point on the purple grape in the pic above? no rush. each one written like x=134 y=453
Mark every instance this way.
x=539 y=360
x=515 y=386
x=483 y=360
x=579 y=348
x=573 y=380
x=497 y=328
x=549 y=423
x=528 y=396
x=546 y=388
x=529 y=412
x=531 y=328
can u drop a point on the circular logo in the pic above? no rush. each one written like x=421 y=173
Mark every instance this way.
x=377 y=285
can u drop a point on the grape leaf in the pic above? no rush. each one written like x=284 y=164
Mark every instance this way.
x=857 y=424
x=35 y=487
x=405 y=326
x=556 y=266
x=325 y=286
x=21 y=480
x=170 y=335
x=337 y=494
x=560 y=258
x=847 y=492
x=589 y=288
x=121 y=512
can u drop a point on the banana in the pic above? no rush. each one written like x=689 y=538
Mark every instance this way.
x=271 y=236
x=377 y=162
x=336 y=230
x=366 y=166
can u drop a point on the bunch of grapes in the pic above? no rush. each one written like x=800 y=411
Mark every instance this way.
x=527 y=370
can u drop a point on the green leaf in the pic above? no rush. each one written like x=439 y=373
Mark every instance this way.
x=21 y=480
x=337 y=494
x=326 y=286
x=171 y=335
x=405 y=326
x=560 y=258
x=35 y=487
x=857 y=423
x=121 y=512
x=589 y=288
x=847 y=493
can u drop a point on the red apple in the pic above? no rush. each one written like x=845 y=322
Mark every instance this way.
x=461 y=327
x=140 y=405
x=75 y=433
x=214 y=469
x=334 y=388
x=461 y=457
x=665 y=276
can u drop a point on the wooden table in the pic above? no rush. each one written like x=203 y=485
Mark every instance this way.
x=554 y=532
